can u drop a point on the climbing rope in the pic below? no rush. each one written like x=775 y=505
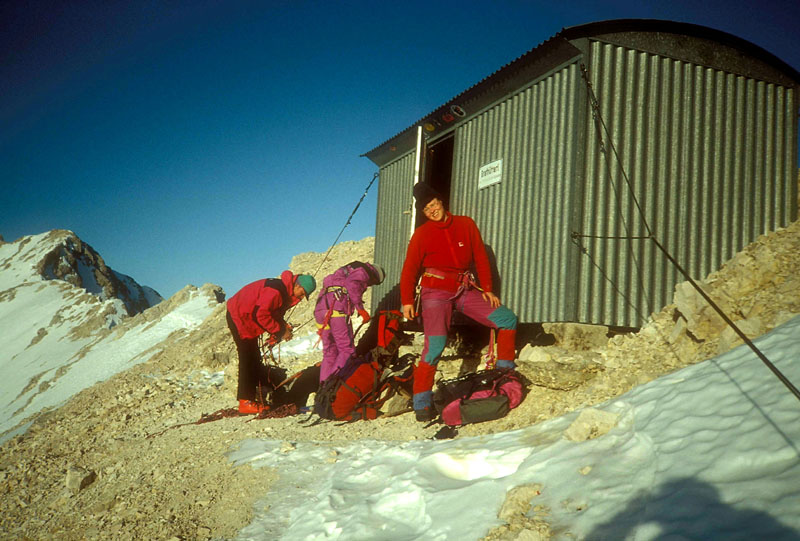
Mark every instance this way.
x=349 y=219
x=336 y=240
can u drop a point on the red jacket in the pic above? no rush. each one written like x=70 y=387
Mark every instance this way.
x=258 y=307
x=452 y=245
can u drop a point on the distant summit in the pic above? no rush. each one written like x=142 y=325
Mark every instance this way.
x=68 y=321
x=61 y=255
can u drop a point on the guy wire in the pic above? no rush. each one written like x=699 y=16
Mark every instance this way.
x=374 y=177
x=600 y=129
x=650 y=235
x=349 y=219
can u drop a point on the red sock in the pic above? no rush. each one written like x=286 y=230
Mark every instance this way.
x=423 y=377
x=506 y=342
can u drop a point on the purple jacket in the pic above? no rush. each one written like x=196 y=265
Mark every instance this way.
x=355 y=280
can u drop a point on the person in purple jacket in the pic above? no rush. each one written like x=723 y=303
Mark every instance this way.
x=342 y=295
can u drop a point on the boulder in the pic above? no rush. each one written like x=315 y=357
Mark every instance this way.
x=78 y=478
x=578 y=336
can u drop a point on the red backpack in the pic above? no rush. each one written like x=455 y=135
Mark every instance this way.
x=390 y=337
x=369 y=378
x=351 y=393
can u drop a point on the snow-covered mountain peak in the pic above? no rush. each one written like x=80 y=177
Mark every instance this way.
x=68 y=321
x=60 y=255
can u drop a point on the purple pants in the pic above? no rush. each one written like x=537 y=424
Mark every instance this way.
x=437 y=315
x=336 y=338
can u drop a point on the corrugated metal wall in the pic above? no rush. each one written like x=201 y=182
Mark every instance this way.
x=526 y=219
x=393 y=227
x=709 y=154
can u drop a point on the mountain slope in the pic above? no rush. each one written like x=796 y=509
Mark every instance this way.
x=150 y=472
x=70 y=321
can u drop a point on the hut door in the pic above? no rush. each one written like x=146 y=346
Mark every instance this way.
x=437 y=168
x=419 y=164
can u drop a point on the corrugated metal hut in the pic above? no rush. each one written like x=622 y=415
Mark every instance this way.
x=563 y=155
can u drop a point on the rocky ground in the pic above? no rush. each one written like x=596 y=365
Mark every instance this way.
x=126 y=459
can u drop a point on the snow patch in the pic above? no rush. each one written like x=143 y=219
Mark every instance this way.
x=708 y=452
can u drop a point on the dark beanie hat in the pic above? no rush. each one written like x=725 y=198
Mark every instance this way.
x=424 y=194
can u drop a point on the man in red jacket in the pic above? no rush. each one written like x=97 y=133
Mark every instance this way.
x=443 y=250
x=259 y=308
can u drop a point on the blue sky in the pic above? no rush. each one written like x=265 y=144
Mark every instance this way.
x=210 y=141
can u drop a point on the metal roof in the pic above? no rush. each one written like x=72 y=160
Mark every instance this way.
x=728 y=53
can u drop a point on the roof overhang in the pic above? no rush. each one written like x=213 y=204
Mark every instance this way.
x=724 y=51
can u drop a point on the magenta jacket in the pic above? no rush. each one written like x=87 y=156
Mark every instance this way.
x=355 y=280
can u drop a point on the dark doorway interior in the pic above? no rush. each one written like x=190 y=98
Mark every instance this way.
x=438 y=169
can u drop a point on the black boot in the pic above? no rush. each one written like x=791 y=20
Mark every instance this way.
x=425 y=415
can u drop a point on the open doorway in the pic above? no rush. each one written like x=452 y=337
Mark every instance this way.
x=438 y=168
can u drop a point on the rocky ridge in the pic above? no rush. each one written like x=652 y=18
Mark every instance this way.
x=73 y=261
x=125 y=459
x=62 y=259
x=59 y=302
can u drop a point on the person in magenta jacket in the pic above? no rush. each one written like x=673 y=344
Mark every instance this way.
x=258 y=308
x=341 y=296
x=441 y=253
